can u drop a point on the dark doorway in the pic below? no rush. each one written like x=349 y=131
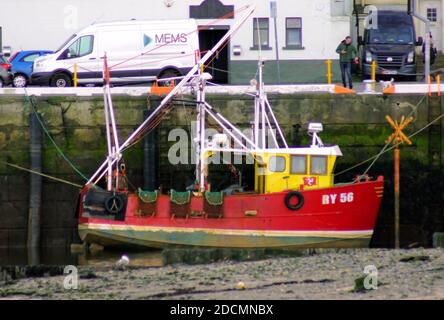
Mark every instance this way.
x=218 y=67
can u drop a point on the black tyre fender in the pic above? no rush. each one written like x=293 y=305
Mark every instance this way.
x=114 y=204
x=288 y=198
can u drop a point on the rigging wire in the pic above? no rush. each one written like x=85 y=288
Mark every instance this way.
x=414 y=110
x=392 y=147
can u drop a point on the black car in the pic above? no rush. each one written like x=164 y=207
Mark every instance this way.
x=5 y=72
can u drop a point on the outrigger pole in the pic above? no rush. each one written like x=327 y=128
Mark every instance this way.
x=116 y=153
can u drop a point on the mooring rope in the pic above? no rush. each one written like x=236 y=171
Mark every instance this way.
x=42 y=125
x=388 y=141
x=392 y=147
x=41 y=174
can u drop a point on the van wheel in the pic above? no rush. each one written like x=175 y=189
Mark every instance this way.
x=61 y=80
x=170 y=73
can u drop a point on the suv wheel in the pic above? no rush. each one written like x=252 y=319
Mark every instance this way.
x=19 y=81
x=61 y=80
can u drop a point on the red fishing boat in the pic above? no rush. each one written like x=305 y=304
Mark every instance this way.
x=294 y=203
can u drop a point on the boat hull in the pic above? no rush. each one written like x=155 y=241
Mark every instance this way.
x=337 y=217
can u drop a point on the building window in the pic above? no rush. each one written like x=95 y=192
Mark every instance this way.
x=298 y=165
x=431 y=14
x=261 y=27
x=318 y=165
x=277 y=164
x=293 y=33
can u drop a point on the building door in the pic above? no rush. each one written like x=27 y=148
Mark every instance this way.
x=218 y=63
x=432 y=10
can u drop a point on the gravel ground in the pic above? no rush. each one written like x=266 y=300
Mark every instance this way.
x=402 y=274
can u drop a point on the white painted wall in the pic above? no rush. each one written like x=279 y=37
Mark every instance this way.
x=45 y=24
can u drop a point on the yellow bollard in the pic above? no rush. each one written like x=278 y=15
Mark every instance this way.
x=201 y=68
x=75 y=75
x=429 y=85
x=438 y=84
x=328 y=62
x=373 y=70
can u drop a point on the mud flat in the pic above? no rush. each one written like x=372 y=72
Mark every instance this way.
x=325 y=274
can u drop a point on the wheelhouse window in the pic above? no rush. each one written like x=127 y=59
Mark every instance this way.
x=293 y=32
x=277 y=164
x=318 y=165
x=298 y=164
x=431 y=14
x=81 y=47
x=261 y=28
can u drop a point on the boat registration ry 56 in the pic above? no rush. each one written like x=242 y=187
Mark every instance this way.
x=334 y=198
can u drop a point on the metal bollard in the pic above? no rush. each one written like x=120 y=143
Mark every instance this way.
x=75 y=75
x=328 y=62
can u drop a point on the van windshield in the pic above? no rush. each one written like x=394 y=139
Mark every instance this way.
x=65 y=43
x=392 y=29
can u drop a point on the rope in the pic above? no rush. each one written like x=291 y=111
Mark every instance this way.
x=31 y=101
x=392 y=147
x=388 y=142
x=41 y=174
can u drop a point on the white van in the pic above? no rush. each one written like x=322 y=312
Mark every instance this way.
x=137 y=51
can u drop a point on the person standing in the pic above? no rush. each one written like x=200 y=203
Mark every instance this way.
x=433 y=53
x=347 y=54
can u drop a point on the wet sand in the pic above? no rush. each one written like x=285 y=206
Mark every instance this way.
x=327 y=274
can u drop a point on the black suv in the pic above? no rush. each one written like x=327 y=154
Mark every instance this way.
x=391 y=43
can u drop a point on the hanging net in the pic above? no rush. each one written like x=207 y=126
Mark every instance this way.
x=215 y=198
x=180 y=198
x=147 y=196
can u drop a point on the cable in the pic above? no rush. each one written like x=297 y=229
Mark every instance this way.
x=392 y=147
x=388 y=142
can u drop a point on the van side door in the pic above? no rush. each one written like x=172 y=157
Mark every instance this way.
x=122 y=48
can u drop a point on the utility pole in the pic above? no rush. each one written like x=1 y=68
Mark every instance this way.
x=273 y=14
x=397 y=138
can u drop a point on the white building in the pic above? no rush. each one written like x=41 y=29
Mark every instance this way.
x=308 y=31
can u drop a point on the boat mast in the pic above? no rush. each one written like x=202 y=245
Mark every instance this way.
x=111 y=129
x=201 y=132
x=262 y=121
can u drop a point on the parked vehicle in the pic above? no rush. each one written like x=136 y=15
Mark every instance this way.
x=137 y=51
x=5 y=72
x=22 y=62
x=391 y=45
